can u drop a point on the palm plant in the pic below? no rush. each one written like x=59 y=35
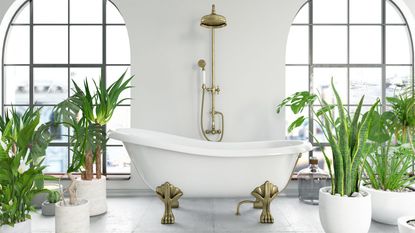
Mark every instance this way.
x=22 y=150
x=347 y=136
x=87 y=114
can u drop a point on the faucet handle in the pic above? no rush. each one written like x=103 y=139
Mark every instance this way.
x=202 y=64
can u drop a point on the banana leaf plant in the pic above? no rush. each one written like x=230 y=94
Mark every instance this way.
x=87 y=114
x=24 y=141
x=347 y=136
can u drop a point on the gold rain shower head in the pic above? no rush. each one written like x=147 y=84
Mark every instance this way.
x=213 y=20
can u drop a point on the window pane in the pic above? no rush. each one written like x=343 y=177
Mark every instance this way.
x=59 y=132
x=19 y=109
x=330 y=11
x=16 y=81
x=367 y=82
x=300 y=133
x=50 y=11
x=330 y=44
x=318 y=134
x=113 y=14
x=23 y=16
x=50 y=85
x=365 y=44
x=120 y=119
x=118 y=160
x=50 y=44
x=297 y=45
x=322 y=83
x=84 y=12
x=296 y=79
x=398 y=49
x=398 y=78
x=392 y=14
x=56 y=159
x=86 y=44
x=114 y=73
x=17 y=47
x=118 y=45
x=319 y=154
x=79 y=75
x=367 y=11
x=302 y=15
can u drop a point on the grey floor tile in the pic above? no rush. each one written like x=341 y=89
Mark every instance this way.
x=143 y=214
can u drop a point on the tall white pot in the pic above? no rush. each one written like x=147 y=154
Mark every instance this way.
x=95 y=191
x=344 y=214
x=72 y=218
x=387 y=207
x=21 y=227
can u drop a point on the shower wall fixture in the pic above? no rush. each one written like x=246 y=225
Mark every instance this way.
x=212 y=22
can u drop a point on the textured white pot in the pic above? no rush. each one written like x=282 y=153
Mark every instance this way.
x=21 y=227
x=344 y=214
x=72 y=218
x=95 y=191
x=403 y=226
x=387 y=207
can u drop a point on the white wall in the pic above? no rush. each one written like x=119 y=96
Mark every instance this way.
x=166 y=43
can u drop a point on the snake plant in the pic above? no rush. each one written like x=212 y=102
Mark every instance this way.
x=87 y=114
x=22 y=150
x=347 y=135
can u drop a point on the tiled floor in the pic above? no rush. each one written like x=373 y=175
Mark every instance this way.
x=142 y=215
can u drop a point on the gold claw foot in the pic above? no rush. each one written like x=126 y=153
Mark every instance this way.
x=264 y=195
x=170 y=195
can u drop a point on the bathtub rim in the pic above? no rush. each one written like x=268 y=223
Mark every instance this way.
x=139 y=138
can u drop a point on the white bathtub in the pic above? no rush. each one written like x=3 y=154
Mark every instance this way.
x=210 y=169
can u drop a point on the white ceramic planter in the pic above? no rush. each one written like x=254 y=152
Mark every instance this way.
x=403 y=226
x=21 y=227
x=387 y=207
x=72 y=218
x=344 y=214
x=95 y=191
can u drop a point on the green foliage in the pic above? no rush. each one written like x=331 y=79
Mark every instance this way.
x=347 y=136
x=403 y=109
x=22 y=149
x=87 y=114
x=53 y=196
x=387 y=168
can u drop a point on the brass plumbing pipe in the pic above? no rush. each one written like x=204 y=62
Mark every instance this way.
x=212 y=21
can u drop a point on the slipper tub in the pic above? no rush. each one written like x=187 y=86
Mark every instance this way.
x=210 y=169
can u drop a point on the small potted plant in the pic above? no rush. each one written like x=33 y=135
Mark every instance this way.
x=388 y=166
x=48 y=206
x=71 y=215
x=343 y=208
x=406 y=224
x=22 y=149
x=87 y=115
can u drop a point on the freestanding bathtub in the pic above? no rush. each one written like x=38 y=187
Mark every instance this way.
x=210 y=169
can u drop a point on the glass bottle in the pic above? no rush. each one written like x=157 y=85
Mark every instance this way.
x=310 y=180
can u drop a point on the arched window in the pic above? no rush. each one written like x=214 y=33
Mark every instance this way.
x=48 y=43
x=366 y=46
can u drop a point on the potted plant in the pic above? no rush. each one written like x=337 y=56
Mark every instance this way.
x=406 y=224
x=71 y=215
x=48 y=206
x=387 y=168
x=87 y=115
x=22 y=149
x=343 y=208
